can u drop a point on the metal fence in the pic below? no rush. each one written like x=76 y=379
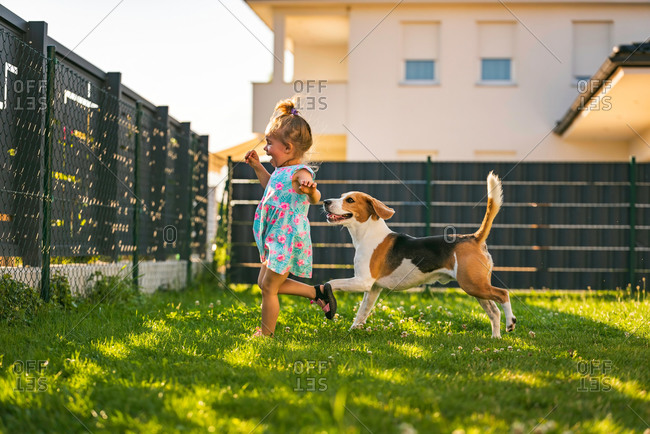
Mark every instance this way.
x=93 y=176
x=562 y=226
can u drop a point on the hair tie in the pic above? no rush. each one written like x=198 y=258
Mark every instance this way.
x=294 y=111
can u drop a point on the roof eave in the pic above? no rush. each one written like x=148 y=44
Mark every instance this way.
x=633 y=55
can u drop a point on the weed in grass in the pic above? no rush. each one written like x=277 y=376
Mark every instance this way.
x=110 y=289
x=18 y=301
x=61 y=293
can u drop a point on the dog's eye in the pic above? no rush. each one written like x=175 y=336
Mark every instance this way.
x=349 y=200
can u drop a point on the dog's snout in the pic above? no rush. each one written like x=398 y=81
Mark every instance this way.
x=327 y=202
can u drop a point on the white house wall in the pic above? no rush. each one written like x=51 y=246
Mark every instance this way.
x=459 y=119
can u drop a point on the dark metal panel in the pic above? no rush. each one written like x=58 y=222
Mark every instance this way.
x=528 y=258
x=12 y=22
x=549 y=208
x=643 y=265
x=200 y=195
x=643 y=172
x=21 y=124
x=242 y=274
x=372 y=170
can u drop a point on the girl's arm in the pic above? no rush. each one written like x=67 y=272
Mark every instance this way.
x=303 y=183
x=253 y=160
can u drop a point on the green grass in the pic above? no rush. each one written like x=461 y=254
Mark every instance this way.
x=167 y=364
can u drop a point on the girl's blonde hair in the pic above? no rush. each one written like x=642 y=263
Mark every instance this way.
x=288 y=126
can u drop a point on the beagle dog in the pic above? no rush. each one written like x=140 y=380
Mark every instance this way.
x=388 y=260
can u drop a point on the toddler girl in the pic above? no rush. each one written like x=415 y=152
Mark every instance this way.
x=281 y=227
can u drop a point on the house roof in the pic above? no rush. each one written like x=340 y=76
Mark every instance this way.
x=615 y=101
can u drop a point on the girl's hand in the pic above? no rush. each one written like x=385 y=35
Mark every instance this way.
x=307 y=186
x=252 y=159
x=303 y=183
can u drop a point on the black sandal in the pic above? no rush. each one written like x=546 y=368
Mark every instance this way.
x=326 y=296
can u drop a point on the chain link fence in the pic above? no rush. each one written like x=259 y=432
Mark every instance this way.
x=93 y=179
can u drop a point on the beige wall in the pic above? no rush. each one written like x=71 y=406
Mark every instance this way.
x=329 y=147
x=320 y=62
x=323 y=103
x=458 y=119
x=640 y=147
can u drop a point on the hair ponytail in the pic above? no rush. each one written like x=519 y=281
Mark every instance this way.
x=288 y=126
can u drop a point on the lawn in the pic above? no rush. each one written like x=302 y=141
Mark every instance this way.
x=184 y=361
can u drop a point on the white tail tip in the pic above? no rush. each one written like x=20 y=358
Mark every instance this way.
x=495 y=191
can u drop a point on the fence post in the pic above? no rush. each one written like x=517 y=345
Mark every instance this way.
x=112 y=143
x=203 y=159
x=161 y=144
x=427 y=196
x=136 y=190
x=632 y=259
x=47 y=176
x=28 y=229
x=427 y=211
x=228 y=191
x=187 y=251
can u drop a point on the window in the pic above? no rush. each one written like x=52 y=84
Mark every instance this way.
x=496 y=51
x=495 y=69
x=419 y=52
x=420 y=69
x=591 y=46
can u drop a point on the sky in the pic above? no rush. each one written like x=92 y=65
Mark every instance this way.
x=199 y=57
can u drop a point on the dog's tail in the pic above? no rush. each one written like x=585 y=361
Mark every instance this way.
x=495 y=199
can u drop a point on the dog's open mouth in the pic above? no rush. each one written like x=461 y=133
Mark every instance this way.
x=333 y=218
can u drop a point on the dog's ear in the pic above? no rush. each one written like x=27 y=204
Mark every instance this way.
x=381 y=210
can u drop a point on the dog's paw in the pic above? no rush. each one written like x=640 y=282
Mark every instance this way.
x=511 y=327
x=356 y=326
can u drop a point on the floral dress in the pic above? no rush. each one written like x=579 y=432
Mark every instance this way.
x=281 y=227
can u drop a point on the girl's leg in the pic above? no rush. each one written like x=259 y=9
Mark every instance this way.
x=325 y=299
x=260 y=278
x=293 y=287
x=290 y=286
x=271 y=283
